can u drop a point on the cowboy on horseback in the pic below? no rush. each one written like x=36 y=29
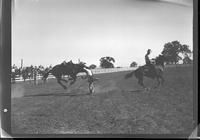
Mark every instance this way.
x=150 y=67
x=149 y=70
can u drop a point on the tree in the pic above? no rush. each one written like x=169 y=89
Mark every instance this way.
x=172 y=51
x=184 y=49
x=187 y=60
x=107 y=62
x=133 y=64
x=92 y=66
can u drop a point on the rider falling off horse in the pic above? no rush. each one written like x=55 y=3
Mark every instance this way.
x=91 y=78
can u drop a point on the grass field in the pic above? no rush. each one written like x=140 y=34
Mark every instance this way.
x=112 y=109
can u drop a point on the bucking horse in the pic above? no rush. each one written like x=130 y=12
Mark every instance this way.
x=142 y=71
x=67 y=68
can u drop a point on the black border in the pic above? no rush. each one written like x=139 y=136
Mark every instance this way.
x=195 y=63
x=5 y=68
x=5 y=65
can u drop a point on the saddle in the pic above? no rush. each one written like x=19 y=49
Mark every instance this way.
x=149 y=70
x=147 y=67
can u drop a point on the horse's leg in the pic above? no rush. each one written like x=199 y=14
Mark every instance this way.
x=74 y=80
x=30 y=79
x=70 y=78
x=141 y=82
x=64 y=80
x=59 y=82
x=158 y=82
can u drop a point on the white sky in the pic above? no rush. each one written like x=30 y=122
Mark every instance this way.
x=50 y=31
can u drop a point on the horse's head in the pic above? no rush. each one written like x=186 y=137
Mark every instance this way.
x=82 y=64
x=80 y=67
x=160 y=60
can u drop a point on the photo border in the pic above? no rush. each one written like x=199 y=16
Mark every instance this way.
x=5 y=83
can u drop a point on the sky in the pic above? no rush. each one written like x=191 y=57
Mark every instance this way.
x=47 y=32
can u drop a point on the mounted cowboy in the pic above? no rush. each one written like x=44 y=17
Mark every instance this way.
x=149 y=66
x=149 y=70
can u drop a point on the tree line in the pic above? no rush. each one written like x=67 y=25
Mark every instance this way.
x=172 y=51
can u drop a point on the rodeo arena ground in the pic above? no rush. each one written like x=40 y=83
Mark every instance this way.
x=116 y=105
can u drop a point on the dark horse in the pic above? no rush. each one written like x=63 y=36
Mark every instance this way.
x=65 y=68
x=144 y=71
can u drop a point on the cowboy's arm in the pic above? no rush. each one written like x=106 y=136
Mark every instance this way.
x=86 y=75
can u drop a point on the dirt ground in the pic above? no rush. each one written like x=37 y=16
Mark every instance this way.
x=118 y=106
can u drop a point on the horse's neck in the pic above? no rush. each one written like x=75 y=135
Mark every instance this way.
x=77 y=70
x=160 y=64
x=160 y=67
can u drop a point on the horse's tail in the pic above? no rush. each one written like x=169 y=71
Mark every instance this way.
x=130 y=74
x=44 y=78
